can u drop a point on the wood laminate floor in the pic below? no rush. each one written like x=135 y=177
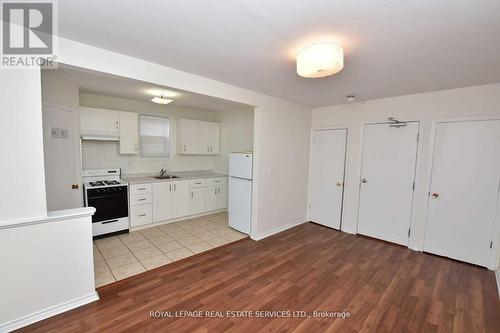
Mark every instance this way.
x=385 y=288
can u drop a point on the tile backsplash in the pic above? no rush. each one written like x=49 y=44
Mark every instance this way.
x=104 y=154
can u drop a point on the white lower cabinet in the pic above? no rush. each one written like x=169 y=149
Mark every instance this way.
x=163 y=201
x=141 y=208
x=180 y=199
x=141 y=215
x=221 y=197
x=216 y=197
x=196 y=200
x=211 y=198
x=170 y=200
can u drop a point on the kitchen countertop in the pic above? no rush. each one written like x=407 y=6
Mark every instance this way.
x=149 y=178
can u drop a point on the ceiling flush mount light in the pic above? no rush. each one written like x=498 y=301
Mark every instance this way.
x=161 y=100
x=320 y=60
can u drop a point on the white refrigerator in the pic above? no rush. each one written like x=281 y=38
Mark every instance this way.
x=240 y=191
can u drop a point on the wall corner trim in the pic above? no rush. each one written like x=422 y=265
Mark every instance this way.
x=48 y=312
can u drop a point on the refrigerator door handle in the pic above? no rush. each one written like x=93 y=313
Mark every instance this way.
x=241 y=178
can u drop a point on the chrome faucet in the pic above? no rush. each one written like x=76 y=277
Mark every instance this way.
x=162 y=172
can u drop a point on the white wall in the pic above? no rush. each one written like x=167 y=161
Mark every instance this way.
x=57 y=90
x=236 y=135
x=281 y=140
x=472 y=101
x=47 y=268
x=21 y=169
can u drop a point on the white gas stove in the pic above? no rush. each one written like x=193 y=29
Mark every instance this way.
x=108 y=194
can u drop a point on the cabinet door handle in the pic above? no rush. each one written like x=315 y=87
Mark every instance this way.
x=191 y=194
x=215 y=190
x=143 y=199
x=175 y=188
x=141 y=215
x=184 y=147
x=141 y=189
x=170 y=187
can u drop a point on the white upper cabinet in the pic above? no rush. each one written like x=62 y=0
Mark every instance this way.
x=129 y=133
x=203 y=137
x=195 y=137
x=187 y=136
x=99 y=123
x=214 y=139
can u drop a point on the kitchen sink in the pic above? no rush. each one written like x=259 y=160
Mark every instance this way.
x=167 y=177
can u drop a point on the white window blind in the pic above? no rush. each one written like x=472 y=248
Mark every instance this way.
x=154 y=136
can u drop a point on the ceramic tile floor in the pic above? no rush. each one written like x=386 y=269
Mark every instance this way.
x=118 y=257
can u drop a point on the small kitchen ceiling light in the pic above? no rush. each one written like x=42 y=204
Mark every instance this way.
x=161 y=100
x=320 y=60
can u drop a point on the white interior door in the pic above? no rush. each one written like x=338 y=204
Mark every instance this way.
x=327 y=176
x=62 y=158
x=387 y=176
x=464 y=191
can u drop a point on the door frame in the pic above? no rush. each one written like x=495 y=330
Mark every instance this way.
x=328 y=128
x=495 y=259
x=78 y=142
x=418 y=153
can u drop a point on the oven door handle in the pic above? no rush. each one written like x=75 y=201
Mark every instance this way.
x=117 y=195
x=112 y=221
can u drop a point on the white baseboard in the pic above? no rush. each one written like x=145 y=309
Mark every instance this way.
x=275 y=231
x=46 y=313
x=497 y=274
x=188 y=217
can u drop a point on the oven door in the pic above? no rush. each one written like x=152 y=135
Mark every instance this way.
x=109 y=202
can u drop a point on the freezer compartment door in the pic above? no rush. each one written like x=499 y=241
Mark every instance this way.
x=240 y=204
x=240 y=165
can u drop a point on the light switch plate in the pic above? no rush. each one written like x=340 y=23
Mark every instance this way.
x=63 y=133
x=55 y=133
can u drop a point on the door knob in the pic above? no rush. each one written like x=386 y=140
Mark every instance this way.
x=364 y=180
x=75 y=186
x=435 y=195
x=339 y=184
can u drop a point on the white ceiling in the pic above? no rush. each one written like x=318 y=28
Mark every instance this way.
x=109 y=85
x=392 y=47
